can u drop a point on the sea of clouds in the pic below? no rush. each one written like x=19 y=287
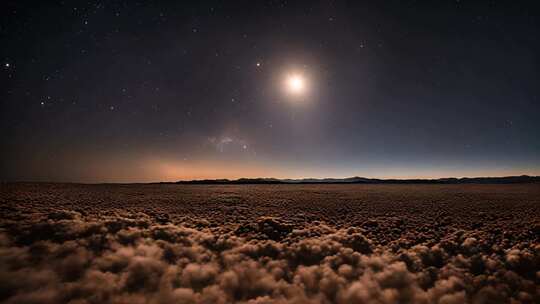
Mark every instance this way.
x=66 y=256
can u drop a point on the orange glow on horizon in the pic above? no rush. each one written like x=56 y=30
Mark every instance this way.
x=167 y=170
x=164 y=170
x=157 y=169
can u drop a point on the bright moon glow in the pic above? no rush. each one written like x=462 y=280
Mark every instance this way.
x=296 y=84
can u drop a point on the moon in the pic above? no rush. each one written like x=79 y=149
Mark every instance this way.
x=295 y=84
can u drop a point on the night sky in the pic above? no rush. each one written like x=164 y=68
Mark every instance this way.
x=125 y=91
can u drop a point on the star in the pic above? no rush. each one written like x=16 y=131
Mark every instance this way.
x=258 y=64
x=7 y=65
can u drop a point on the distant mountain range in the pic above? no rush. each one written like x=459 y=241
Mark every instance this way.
x=362 y=180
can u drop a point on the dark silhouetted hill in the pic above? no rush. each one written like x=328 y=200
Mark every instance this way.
x=362 y=180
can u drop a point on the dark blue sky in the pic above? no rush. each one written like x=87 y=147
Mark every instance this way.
x=137 y=91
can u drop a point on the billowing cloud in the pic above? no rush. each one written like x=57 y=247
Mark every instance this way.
x=64 y=251
x=67 y=256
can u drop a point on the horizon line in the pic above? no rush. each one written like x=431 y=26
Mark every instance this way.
x=285 y=180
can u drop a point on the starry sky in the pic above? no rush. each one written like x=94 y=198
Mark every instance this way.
x=136 y=91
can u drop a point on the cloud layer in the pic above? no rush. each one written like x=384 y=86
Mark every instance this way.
x=95 y=255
